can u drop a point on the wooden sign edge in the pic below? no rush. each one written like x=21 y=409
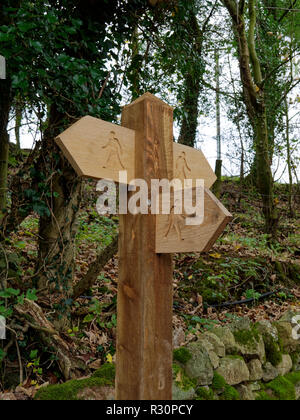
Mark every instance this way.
x=227 y=218
x=213 y=175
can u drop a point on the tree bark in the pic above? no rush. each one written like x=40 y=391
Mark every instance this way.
x=90 y=278
x=5 y=104
x=255 y=101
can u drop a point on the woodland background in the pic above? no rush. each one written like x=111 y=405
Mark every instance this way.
x=211 y=60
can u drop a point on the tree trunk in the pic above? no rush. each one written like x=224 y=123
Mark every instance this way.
x=254 y=97
x=289 y=162
x=57 y=227
x=5 y=104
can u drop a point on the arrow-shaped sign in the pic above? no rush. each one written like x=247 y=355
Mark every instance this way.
x=98 y=149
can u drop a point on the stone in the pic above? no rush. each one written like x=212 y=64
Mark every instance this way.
x=266 y=328
x=210 y=350
x=245 y=392
x=218 y=345
x=178 y=337
x=199 y=367
x=214 y=359
x=286 y=365
x=234 y=370
x=250 y=345
x=104 y=393
x=241 y=324
x=256 y=386
x=297 y=391
x=269 y=372
x=255 y=370
x=180 y=394
x=227 y=338
x=289 y=316
x=285 y=332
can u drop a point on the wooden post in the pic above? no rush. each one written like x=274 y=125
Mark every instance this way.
x=145 y=291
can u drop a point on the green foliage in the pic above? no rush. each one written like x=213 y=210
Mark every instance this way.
x=219 y=382
x=230 y=394
x=246 y=337
x=181 y=378
x=182 y=355
x=205 y=395
x=70 y=390
x=283 y=389
x=107 y=371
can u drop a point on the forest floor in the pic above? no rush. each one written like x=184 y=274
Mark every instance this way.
x=241 y=266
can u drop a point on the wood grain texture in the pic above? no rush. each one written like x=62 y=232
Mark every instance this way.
x=172 y=234
x=145 y=292
x=98 y=149
x=191 y=163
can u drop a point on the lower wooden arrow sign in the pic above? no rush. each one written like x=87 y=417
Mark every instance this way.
x=174 y=235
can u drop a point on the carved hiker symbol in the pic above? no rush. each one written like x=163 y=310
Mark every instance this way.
x=114 y=152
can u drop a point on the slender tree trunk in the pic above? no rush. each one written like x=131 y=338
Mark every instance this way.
x=289 y=163
x=218 y=171
x=254 y=97
x=19 y=113
x=192 y=88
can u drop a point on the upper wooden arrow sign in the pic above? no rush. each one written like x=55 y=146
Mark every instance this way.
x=98 y=149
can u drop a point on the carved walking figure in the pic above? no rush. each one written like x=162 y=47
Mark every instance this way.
x=182 y=166
x=175 y=222
x=115 y=151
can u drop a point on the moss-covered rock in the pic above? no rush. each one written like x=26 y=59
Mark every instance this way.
x=92 y=388
x=234 y=370
x=182 y=355
x=227 y=338
x=282 y=389
x=99 y=387
x=183 y=386
x=255 y=370
x=214 y=340
x=206 y=394
x=269 y=372
x=199 y=366
x=250 y=344
x=286 y=365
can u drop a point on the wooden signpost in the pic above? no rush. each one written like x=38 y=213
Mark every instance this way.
x=144 y=147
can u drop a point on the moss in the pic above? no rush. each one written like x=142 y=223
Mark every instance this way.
x=230 y=394
x=182 y=355
x=295 y=359
x=246 y=337
x=234 y=357
x=283 y=389
x=293 y=377
x=273 y=350
x=218 y=383
x=69 y=391
x=185 y=383
x=263 y=396
x=107 y=371
x=205 y=395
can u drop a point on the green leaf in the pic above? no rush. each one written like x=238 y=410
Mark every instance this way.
x=8 y=293
x=31 y=295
